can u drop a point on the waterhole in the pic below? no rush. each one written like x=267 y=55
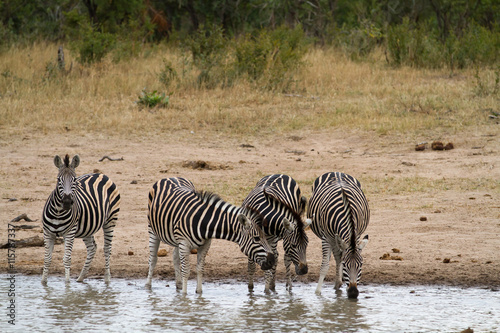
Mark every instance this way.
x=125 y=305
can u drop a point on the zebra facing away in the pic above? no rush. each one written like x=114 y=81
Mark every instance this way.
x=78 y=208
x=277 y=199
x=339 y=214
x=187 y=219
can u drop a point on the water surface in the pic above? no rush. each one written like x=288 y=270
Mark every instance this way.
x=126 y=306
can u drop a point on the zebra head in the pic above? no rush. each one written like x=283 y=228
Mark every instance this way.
x=295 y=240
x=253 y=243
x=66 y=179
x=352 y=261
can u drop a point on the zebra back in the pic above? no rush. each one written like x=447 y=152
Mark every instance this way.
x=334 y=196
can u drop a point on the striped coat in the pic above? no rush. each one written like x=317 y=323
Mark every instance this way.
x=339 y=214
x=78 y=208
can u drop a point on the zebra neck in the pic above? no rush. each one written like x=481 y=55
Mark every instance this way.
x=227 y=225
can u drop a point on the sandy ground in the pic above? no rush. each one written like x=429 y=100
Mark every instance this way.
x=462 y=224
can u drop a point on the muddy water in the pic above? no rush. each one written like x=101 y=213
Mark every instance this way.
x=126 y=306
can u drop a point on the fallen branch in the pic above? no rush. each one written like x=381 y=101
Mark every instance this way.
x=23 y=217
x=25 y=226
x=35 y=241
x=111 y=159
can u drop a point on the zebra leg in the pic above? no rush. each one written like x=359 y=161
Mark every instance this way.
x=251 y=273
x=177 y=268
x=68 y=248
x=91 y=249
x=288 y=263
x=202 y=254
x=325 y=264
x=337 y=254
x=49 y=247
x=184 y=252
x=154 y=244
x=270 y=275
x=108 y=229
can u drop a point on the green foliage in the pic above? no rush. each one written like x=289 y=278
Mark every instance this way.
x=272 y=57
x=93 y=45
x=153 y=99
x=420 y=46
x=359 y=42
x=208 y=49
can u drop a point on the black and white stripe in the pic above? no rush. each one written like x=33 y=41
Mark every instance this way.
x=186 y=219
x=339 y=212
x=78 y=208
x=277 y=198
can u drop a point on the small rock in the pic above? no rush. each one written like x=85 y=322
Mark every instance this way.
x=133 y=182
x=396 y=250
x=130 y=253
x=468 y=330
x=194 y=251
x=449 y=146
x=437 y=211
x=162 y=253
x=423 y=218
x=446 y=260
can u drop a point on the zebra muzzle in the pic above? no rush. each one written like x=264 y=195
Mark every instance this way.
x=301 y=269
x=269 y=263
x=67 y=202
x=352 y=290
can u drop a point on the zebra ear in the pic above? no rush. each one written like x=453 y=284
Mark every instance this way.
x=58 y=162
x=290 y=226
x=75 y=162
x=245 y=222
x=363 y=243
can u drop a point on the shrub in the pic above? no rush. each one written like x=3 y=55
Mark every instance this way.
x=153 y=99
x=208 y=49
x=93 y=45
x=272 y=57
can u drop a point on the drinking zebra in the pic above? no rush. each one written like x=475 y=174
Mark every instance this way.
x=277 y=198
x=78 y=208
x=339 y=213
x=187 y=219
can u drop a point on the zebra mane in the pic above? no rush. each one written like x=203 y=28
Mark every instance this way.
x=66 y=161
x=207 y=196
x=352 y=242
x=297 y=217
x=261 y=220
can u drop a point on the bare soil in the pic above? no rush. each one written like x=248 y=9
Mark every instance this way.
x=433 y=235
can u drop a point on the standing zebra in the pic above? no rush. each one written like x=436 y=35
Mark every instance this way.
x=78 y=208
x=187 y=219
x=277 y=198
x=339 y=213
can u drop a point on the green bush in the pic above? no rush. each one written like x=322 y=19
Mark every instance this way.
x=357 y=43
x=208 y=48
x=272 y=57
x=153 y=99
x=93 y=45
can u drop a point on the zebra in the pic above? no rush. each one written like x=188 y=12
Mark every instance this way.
x=187 y=219
x=339 y=214
x=277 y=198
x=77 y=208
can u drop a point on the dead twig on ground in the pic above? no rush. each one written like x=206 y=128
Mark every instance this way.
x=111 y=159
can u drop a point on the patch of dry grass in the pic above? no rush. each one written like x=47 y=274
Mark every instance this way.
x=331 y=92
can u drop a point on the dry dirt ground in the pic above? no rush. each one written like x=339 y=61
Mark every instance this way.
x=457 y=244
